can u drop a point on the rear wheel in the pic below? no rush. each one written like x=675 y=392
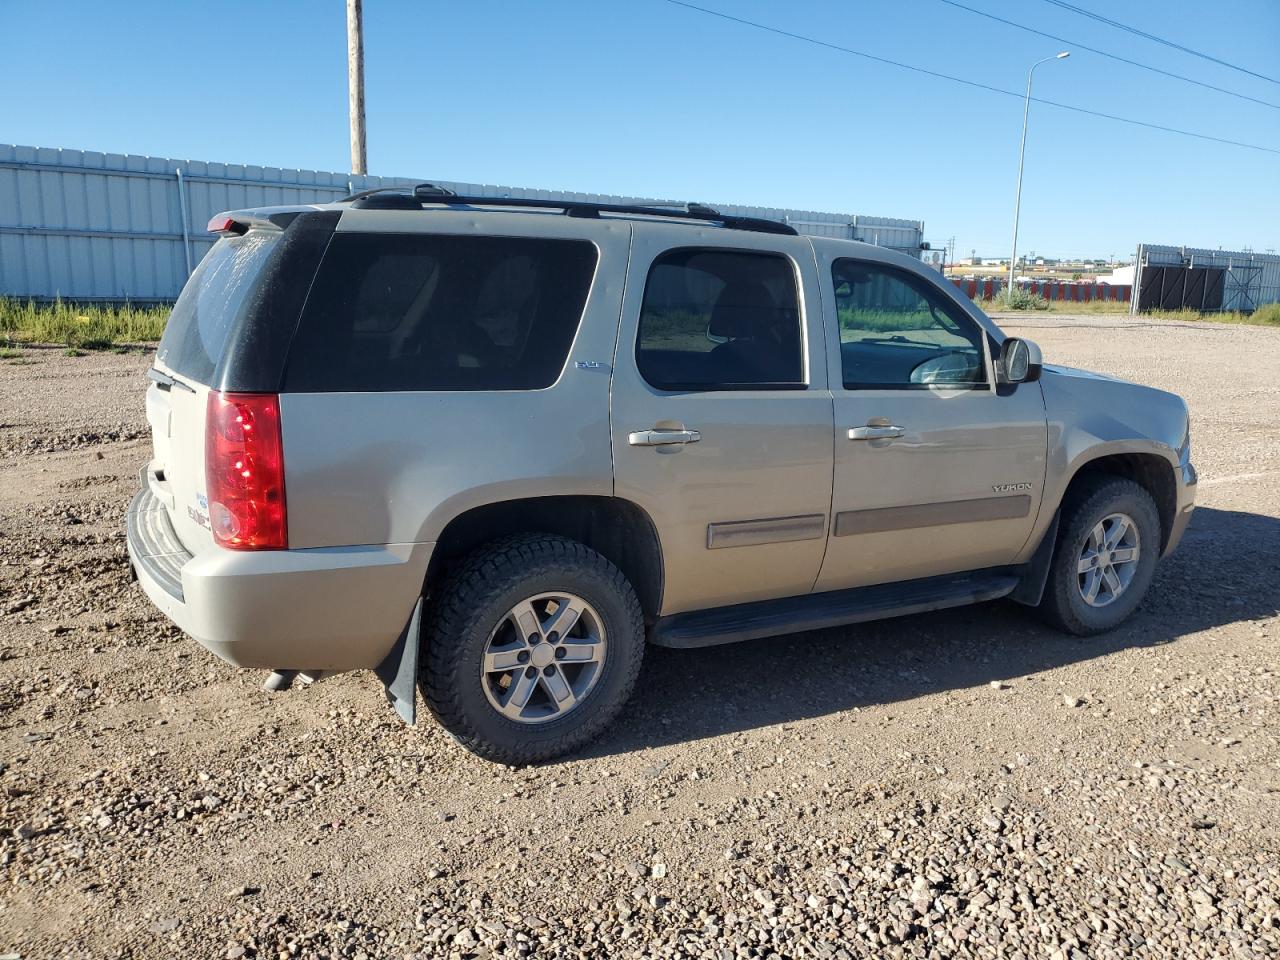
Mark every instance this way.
x=1105 y=557
x=532 y=647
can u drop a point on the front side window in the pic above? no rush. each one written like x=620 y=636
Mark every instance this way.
x=720 y=320
x=440 y=312
x=898 y=332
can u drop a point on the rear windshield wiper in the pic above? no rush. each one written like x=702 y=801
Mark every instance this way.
x=166 y=382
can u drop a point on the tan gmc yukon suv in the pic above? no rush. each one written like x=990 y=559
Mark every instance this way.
x=490 y=448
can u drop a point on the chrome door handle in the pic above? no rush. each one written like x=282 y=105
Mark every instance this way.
x=660 y=438
x=875 y=433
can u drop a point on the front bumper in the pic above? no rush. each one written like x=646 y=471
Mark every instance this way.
x=329 y=608
x=1187 y=481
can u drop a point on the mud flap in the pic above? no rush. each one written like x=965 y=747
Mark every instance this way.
x=1035 y=576
x=399 y=671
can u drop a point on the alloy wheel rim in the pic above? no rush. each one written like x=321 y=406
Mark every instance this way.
x=1108 y=560
x=543 y=658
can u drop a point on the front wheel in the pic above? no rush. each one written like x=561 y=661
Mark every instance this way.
x=532 y=647
x=1105 y=557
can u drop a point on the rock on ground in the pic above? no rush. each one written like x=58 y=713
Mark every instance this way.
x=852 y=793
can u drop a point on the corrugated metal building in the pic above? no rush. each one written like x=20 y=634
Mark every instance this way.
x=1176 y=277
x=108 y=226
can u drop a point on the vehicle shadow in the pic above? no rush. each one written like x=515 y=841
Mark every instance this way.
x=1223 y=572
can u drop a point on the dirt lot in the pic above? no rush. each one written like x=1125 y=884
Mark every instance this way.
x=959 y=784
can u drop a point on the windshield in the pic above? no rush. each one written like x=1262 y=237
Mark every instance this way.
x=210 y=303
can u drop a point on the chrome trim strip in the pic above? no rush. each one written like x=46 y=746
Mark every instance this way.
x=750 y=533
x=883 y=519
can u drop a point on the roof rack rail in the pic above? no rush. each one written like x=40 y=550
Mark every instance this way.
x=593 y=209
x=429 y=194
x=423 y=189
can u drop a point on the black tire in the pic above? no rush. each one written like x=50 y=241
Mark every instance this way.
x=1062 y=605
x=470 y=604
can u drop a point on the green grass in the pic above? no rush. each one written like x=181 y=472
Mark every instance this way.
x=1019 y=299
x=677 y=329
x=864 y=320
x=1059 y=306
x=673 y=328
x=104 y=327
x=1268 y=315
x=81 y=326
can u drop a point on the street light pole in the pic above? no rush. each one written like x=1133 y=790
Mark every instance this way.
x=1022 y=154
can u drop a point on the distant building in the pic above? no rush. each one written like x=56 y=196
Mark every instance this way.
x=1118 y=277
x=977 y=261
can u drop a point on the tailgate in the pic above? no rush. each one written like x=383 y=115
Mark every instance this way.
x=175 y=474
x=211 y=305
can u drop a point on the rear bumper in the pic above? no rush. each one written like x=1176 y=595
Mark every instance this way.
x=331 y=608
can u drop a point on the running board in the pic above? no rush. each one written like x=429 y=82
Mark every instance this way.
x=817 y=611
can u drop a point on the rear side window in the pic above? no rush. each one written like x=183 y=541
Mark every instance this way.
x=720 y=320
x=210 y=304
x=439 y=312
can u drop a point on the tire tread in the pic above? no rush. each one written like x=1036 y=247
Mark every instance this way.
x=1082 y=502
x=454 y=608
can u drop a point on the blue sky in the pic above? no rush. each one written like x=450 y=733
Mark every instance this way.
x=645 y=98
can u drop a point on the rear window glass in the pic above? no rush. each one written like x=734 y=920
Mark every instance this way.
x=720 y=320
x=210 y=303
x=440 y=312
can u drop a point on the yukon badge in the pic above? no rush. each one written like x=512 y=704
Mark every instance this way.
x=1010 y=487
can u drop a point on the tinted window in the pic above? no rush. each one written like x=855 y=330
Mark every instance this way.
x=210 y=304
x=717 y=319
x=433 y=312
x=897 y=331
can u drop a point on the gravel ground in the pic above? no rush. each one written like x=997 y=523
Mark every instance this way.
x=960 y=784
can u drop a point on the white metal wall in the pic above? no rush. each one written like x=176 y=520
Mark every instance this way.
x=110 y=226
x=1252 y=278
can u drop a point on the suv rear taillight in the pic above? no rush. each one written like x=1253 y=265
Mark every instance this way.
x=244 y=471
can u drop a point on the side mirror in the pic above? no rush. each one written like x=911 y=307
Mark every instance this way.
x=1019 y=362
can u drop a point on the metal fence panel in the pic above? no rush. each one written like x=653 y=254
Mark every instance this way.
x=1250 y=280
x=1078 y=291
x=107 y=226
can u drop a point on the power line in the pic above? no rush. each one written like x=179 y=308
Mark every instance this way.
x=1151 y=36
x=1113 y=56
x=967 y=83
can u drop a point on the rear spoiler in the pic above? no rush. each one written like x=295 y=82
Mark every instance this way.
x=257 y=346
x=239 y=222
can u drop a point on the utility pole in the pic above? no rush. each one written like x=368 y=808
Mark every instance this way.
x=355 y=83
x=1022 y=154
